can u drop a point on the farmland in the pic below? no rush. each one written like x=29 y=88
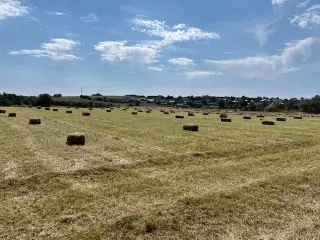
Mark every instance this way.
x=143 y=177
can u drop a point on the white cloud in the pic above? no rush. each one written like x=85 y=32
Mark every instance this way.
x=265 y=66
x=279 y=2
x=12 y=9
x=114 y=51
x=310 y=18
x=292 y=69
x=201 y=74
x=157 y=69
x=183 y=62
x=58 y=49
x=147 y=51
x=55 y=13
x=60 y=44
x=91 y=17
x=314 y=7
x=303 y=4
x=179 y=26
x=261 y=32
x=171 y=34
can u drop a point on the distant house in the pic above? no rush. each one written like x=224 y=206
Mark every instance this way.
x=150 y=100
x=156 y=98
x=197 y=104
x=278 y=101
x=182 y=105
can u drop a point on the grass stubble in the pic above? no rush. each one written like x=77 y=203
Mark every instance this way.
x=143 y=177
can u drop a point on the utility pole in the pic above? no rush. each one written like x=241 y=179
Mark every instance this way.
x=81 y=91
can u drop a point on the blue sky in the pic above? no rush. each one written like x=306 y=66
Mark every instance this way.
x=231 y=47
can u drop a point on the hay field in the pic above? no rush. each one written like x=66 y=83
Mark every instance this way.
x=143 y=177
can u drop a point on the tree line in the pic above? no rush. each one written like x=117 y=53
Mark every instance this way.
x=311 y=105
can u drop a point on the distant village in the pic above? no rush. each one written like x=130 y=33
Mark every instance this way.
x=211 y=102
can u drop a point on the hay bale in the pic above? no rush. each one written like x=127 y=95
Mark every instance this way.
x=68 y=107
x=34 y=121
x=148 y=111
x=297 y=117
x=47 y=109
x=140 y=111
x=112 y=108
x=268 y=123
x=134 y=113
x=247 y=117
x=76 y=139
x=260 y=116
x=223 y=115
x=90 y=109
x=68 y=111
x=178 y=116
x=86 y=114
x=225 y=119
x=193 y=128
x=281 y=119
x=190 y=114
x=55 y=110
x=12 y=115
x=166 y=113
x=2 y=111
x=108 y=110
x=205 y=114
x=38 y=107
x=172 y=111
x=124 y=109
x=29 y=106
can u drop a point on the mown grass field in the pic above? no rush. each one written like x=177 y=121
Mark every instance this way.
x=143 y=177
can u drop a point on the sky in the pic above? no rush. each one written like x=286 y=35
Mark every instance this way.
x=169 y=47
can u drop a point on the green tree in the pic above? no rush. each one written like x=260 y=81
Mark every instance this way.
x=221 y=103
x=311 y=105
x=44 y=100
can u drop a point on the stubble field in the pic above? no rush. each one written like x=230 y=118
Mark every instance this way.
x=143 y=177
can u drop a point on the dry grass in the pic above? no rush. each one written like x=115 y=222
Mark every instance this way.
x=143 y=177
